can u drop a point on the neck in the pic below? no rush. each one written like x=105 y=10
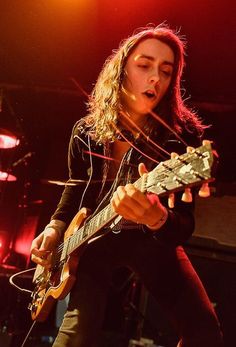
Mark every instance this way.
x=132 y=122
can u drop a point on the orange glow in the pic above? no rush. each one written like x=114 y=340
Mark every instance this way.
x=71 y=7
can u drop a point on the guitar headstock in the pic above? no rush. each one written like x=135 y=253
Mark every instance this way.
x=193 y=168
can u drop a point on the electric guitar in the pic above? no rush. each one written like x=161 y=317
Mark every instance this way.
x=182 y=172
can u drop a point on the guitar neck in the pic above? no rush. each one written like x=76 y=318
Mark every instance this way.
x=92 y=226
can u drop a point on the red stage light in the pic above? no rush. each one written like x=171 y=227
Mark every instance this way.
x=7 y=139
x=5 y=176
x=27 y=232
x=2 y=246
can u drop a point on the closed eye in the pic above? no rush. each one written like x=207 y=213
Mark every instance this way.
x=143 y=66
x=167 y=73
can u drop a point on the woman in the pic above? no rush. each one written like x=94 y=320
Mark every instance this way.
x=121 y=138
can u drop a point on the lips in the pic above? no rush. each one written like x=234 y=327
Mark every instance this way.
x=150 y=94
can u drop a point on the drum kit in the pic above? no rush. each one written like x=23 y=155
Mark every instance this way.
x=8 y=140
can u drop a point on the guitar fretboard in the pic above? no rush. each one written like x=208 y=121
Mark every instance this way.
x=94 y=224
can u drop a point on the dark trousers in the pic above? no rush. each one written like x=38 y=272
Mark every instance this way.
x=165 y=271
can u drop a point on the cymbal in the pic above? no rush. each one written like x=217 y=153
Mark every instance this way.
x=7 y=177
x=64 y=183
x=8 y=139
x=70 y=182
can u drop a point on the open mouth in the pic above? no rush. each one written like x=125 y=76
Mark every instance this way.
x=150 y=94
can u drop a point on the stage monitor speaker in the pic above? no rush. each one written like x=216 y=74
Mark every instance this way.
x=215 y=230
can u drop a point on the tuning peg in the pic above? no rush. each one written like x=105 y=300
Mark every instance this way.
x=171 y=200
x=190 y=149
x=187 y=195
x=206 y=142
x=174 y=155
x=204 y=191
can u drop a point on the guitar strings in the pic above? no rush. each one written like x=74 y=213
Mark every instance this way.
x=106 y=158
x=160 y=120
x=72 y=237
x=132 y=145
x=65 y=244
x=147 y=138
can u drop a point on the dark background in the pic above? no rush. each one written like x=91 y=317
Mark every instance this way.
x=47 y=45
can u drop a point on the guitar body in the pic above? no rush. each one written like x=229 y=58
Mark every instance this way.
x=54 y=284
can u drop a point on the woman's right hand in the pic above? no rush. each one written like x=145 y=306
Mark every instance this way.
x=43 y=245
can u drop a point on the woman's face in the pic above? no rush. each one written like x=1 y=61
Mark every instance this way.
x=147 y=76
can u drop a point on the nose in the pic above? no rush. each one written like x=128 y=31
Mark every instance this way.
x=154 y=77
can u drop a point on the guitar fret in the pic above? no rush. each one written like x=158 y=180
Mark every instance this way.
x=87 y=227
x=76 y=239
x=106 y=213
x=64 y=250
x=98 y=220
x=73 y=241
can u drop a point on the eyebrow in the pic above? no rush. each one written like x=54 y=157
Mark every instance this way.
x=149 y=57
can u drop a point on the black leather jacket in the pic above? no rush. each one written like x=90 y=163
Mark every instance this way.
x=180 y=223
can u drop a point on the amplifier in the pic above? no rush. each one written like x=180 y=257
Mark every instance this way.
x=215 y=231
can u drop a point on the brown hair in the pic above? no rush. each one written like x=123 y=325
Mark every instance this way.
x=103 y=105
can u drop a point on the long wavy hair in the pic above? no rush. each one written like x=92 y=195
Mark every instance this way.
x=103 y=104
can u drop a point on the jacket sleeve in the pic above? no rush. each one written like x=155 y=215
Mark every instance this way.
x=179 y=225
x=70 y=200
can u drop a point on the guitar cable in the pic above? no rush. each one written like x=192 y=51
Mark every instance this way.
x=18 y=274
x=11 y=281
x=28 y=334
